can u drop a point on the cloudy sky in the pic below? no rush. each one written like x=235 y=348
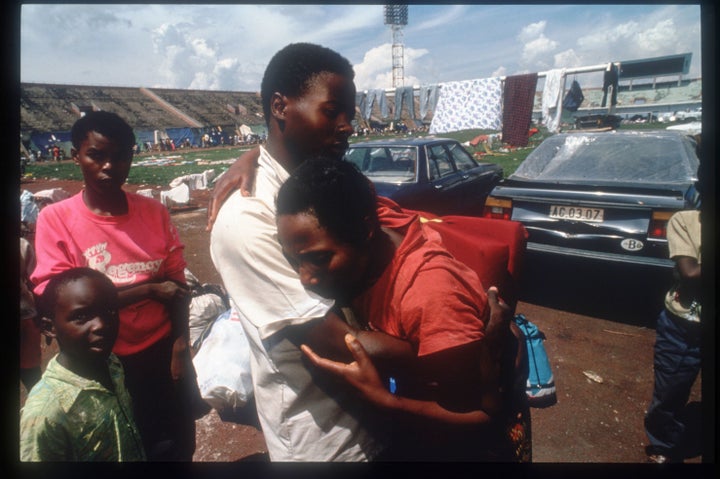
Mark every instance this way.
x=226 y=47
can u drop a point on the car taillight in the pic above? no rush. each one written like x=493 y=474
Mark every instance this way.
x=498 y=209
x=658 y=224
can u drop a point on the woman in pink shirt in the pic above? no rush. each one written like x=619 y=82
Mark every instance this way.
x=131 y=239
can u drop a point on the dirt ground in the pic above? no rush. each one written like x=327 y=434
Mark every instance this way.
x=602 y=367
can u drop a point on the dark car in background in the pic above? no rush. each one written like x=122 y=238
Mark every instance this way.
x=601 y=195
x=430 y=174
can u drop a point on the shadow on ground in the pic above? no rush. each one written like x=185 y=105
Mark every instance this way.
x=623 y=293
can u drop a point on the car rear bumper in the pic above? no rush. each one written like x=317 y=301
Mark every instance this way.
x=611 y=257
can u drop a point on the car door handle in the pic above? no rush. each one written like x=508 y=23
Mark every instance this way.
x=438 y=187
x=465 y=177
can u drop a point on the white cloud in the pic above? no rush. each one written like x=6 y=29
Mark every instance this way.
x=500 y=72
x=536 y=51
x=165 y=36
x=634 y=40
x=375 y=69
x=603 y=38
x=372 y=71
x=190 y=61
x=567 y=59
x=532 y=31
x=537 y=47
x=659 y=37
x=222 y=77
x=202 y=48
x=197 y=50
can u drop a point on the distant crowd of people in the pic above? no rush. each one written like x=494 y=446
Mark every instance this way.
x=52 y=153
x=214 y=138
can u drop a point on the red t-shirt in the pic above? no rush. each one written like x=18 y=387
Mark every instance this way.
x=425 y=296
x=493 y=248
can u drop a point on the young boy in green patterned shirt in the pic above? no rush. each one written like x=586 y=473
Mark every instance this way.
x=80 y=409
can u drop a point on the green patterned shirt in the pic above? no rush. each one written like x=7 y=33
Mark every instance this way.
x=70 y=418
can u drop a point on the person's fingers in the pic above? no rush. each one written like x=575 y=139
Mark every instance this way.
x=216 y=200
x=494 y=299
x=240 y=175
x=211 y=213
x=492 y=294
x=322 y=363
x=500 y=313
x=246 y=185
x=357 y=350
x=247 y=180
x=309 y=353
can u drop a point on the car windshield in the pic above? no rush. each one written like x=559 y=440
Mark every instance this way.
x=389 y=164
x=611 y=158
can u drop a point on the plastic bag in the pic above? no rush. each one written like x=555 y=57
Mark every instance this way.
x=28 y=208
x=540 y=383
x=204 y=309
x=223 y=364
x=208 y=302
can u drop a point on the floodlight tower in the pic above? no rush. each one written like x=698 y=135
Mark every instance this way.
x=397 y=16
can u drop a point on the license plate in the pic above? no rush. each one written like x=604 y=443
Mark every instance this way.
x=577 y=213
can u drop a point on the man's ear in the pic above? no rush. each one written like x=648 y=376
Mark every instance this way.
x=47 y=327
x=371 y=226
x=278 y=104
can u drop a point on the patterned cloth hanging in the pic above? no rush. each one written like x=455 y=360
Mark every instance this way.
x=468 y=104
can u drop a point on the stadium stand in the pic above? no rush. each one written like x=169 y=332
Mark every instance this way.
x=48 y=110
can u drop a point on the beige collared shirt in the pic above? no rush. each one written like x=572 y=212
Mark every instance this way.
x=684 y=239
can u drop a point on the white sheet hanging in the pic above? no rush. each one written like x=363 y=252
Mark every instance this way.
x=552 y=99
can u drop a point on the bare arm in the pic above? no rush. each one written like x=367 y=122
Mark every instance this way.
x=327 y=337
x=241 y=174
x=688 y=268
x=181 y=363
x=163 y=291
x=176 y=298
x=495 y=348
x=466 y=396
x=362 y=374
x=689 y=273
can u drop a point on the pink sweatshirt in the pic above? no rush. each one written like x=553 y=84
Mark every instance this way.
x=139 y=246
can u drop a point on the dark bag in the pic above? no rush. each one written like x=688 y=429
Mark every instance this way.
x=574 y=97
x=540 y=387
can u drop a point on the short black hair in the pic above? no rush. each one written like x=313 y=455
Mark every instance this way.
x=48 y=299
x=107 y=123
x=291 y=69
x=336 y=193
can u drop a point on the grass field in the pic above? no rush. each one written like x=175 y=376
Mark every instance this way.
x=159 y=168
x=184 y=162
